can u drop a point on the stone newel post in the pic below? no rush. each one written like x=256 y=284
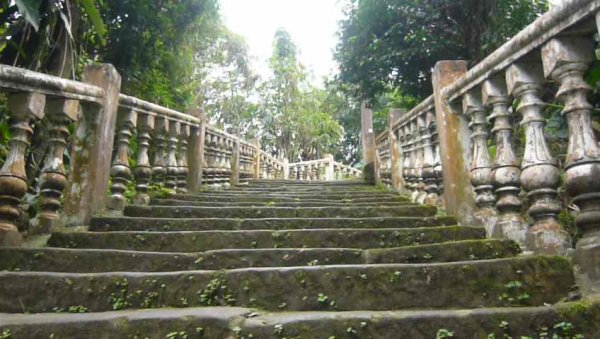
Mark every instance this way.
x=85 y=194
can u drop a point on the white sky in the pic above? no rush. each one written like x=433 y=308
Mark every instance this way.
x=311 y=23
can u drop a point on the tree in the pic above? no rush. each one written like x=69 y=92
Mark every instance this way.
x=393 y=44
x=229 y=84
x=291 y=113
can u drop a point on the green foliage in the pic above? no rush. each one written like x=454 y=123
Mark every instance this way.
x=444 y=333
x=395 y=43
x=30 y=9
x=296 y=118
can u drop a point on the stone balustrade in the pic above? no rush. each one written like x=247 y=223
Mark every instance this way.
x=408 y=154
x=458 y=148
x=121 y=145
x=270 y=168
x=326 y=169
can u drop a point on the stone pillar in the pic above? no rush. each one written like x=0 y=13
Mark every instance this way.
x=60 y=113
x=286 y=168
x=566 y=60
x=455 y=145
x=143 y=170
x=481 y=164
x=505 y=170
x=540 y=175
x=85 y=194
x=395 y=152
x=235 y=163
x=182 y=158
x=196 y=152
x=329 y=172
x=256 y=162
x=24 y=109
x=120 y=172
x=368 y=143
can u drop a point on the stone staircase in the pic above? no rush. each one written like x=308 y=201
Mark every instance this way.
x=280 y=259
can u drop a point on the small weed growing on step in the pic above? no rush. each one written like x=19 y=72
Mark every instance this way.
x=313 y=262
x=515 y=294
x=444 y=333
x=325 y=301
x=177 y=335
x=394 y=277
x=278 y=329
x=216 y=293
x=6 y=334
x=77 y=309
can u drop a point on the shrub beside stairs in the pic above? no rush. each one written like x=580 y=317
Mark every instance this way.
x=282 y=259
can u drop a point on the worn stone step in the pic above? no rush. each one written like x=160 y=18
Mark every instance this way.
x=197 y=241
x=261 y=198
x=237 y=322
x=486 y=283
x=301 y=194
x=96 y=260
x=294 y=182
x=175 y=202
x=314 y=189
x=93 y=260
x=277 y=212
x=457 y=251
x=105 y=224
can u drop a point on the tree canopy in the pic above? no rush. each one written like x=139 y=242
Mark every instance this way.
x=388 y=45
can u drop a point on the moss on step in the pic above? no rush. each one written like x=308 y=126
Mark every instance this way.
x=210 y=240
x=355 y=287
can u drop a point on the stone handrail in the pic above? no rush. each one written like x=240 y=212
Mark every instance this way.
x=177 y=151
x=269 y=167
x=551 y=55
x=321 y=169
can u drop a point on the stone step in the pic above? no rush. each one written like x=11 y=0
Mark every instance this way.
x=277 y=212
x=96 y=260
x=175 y=202
x=300 y=194
x=293 y=182
x=105 y=224
x=197 y=241
x=487 y=283
x=323 y=189
x=237 y=322
x=316 y=198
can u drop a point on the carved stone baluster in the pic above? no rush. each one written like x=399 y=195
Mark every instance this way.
x=506 y=171
x=143 y=169
x=159 y=169
x=120 y=172
x=566 y=60
x=182 y=159
x=210 y=158
x=437 y=161
x=172 y=168
x=60 y=113
x=540 y=175
x=429 y=177
x=218 y=159
x=406 y=164
x=228 y=158
x=481 y=166
x=24 y=109
x=414 y=160
x=421 y=135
